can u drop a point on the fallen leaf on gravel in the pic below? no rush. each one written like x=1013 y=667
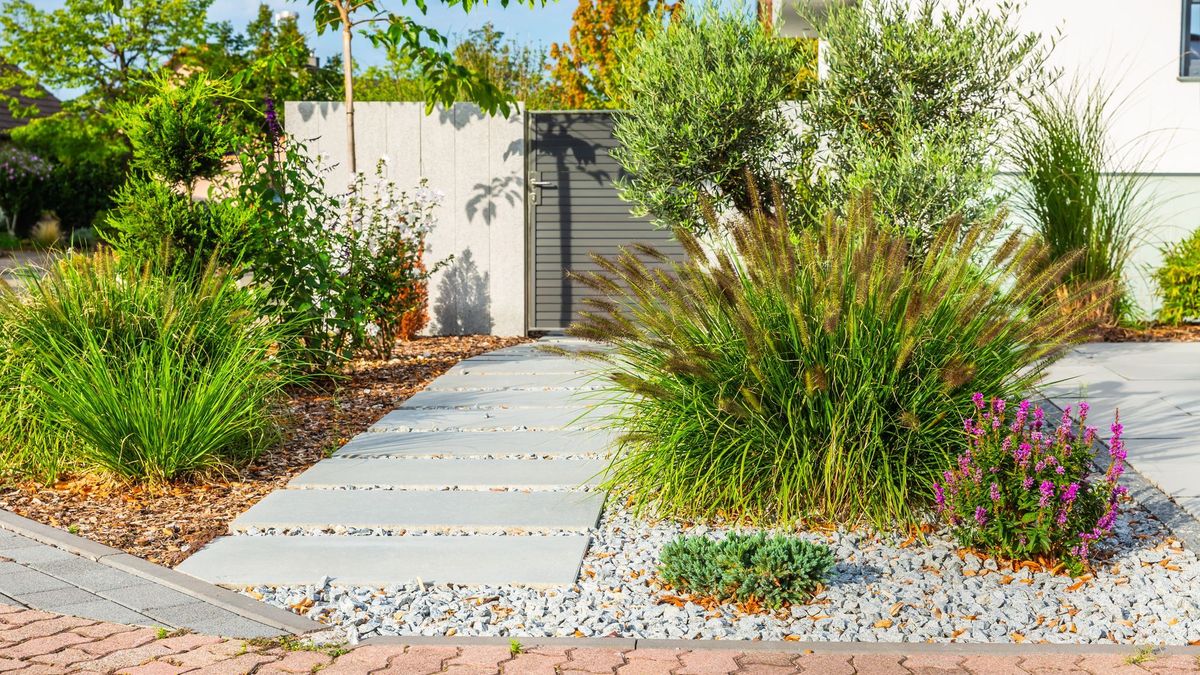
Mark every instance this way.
x=883 y=623
x=1017 y=637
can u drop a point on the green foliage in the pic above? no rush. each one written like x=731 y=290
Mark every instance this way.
x=705 y=109
x=102 y=47
x=814 y=370
x=9 y=242
x=913 y=101
x=1075 y=192
x=770 y=570
x=116 y=370
x=1026 y=491
x=180 y=132
x=152 y=221
x=1179 y=281
x=516 y=70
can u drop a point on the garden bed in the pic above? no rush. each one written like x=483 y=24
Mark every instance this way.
x=1148 y=333
x=885 y=588
x=165 y=525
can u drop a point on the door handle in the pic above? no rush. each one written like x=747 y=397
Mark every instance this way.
x=543 y=183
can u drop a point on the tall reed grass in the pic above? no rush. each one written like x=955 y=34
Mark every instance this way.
x=1080 y=194
x=816 y=371
x=121 y=371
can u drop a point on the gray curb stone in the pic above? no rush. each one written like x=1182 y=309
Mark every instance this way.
x=241 y=605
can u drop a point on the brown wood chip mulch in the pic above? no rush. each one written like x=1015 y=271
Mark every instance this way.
x=1149 y=333
x=166 y=525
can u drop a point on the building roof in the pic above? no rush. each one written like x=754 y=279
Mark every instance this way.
x=48 y=104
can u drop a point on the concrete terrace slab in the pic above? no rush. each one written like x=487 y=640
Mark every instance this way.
x=544 y=398
x=516 y=381
x=545 y=365
x=425 y=474
x=508 y=419
x=448 y=509
x=1144 y=417
x=477 y=443
x=380 y=561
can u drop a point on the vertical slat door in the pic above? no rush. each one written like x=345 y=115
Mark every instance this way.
x=575 y=211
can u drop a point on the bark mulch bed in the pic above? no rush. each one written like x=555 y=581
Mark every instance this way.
x=1147 y=333
x=165 y=525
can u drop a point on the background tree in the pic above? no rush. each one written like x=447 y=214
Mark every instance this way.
x=97 y=46
x=443 y=80
x=587 y=69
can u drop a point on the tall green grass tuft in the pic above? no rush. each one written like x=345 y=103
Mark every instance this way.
x=1075 y=193
x=819 y=372
x=115 y=370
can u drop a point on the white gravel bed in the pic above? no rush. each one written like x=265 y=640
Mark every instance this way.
x=1147 y=591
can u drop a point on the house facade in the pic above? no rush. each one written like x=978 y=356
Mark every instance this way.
x=1147 y=54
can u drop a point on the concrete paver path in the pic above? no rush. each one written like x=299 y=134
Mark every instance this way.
x=1156 y=388
x=40 y=642
x=506 y=443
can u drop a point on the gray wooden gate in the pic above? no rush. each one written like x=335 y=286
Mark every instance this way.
x=574 y=211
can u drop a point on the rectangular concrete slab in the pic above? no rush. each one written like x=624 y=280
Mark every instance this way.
x=381 y=561
x=442 y=509
x=526 y=366
x=546 y=398
x=1142 y=417
x=533 y=381
x=506 y=419
x=477 y=443
x=432 y=474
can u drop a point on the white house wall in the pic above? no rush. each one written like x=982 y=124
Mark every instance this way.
x=478 y=163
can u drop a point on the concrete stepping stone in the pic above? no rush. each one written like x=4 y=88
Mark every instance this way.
x=514 y=381
x=477 y=443
x=1144 y=417
x=499 y=419
x=545 y=398
x=425 y=474
x=445 y=509
x=548 y=365
x=380 y=561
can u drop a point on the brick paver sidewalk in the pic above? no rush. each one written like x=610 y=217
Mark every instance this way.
x=32 y=641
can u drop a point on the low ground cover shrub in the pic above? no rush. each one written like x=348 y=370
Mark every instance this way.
x=1179 y=281
x=815 y=370
x=117 y=370
x=1025 y=489
x=771 y=570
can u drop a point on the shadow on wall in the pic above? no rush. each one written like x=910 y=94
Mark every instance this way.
x=463 y=305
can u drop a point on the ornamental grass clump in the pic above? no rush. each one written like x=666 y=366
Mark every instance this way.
x=750 y=568
x=1026 y=490
x=814 y=370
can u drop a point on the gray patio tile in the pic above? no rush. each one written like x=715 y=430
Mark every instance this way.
x=1171 y=465
x=99 y=609
x=146 y=595
x=1143 y=417
x=438 y=473
x=89 y=575
x=1191 y=505
x=28 y=555
x=466 y=509
x=531 y=560
x=549 y=365
x=11 y=602
x=544 y=398
x=518 y=419
x=206 y=619
x=9 y=540
x=453 y=381
x=54 y=600
x=476 y=443
x=29 y=581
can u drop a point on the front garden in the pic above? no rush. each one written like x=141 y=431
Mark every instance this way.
x=830 y=424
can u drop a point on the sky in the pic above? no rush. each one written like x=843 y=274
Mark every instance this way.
x=539 y=26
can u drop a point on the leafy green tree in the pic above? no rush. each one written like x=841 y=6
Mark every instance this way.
x=101 y=47
x=444 y=80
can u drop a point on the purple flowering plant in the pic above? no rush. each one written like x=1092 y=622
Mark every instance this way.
x=1027 y=488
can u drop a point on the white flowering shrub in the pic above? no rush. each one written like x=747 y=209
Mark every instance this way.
x=351 y=269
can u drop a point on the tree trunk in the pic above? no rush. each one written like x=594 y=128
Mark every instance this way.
x=348 y=75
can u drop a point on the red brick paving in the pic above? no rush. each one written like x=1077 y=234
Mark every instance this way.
x=36 y=642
